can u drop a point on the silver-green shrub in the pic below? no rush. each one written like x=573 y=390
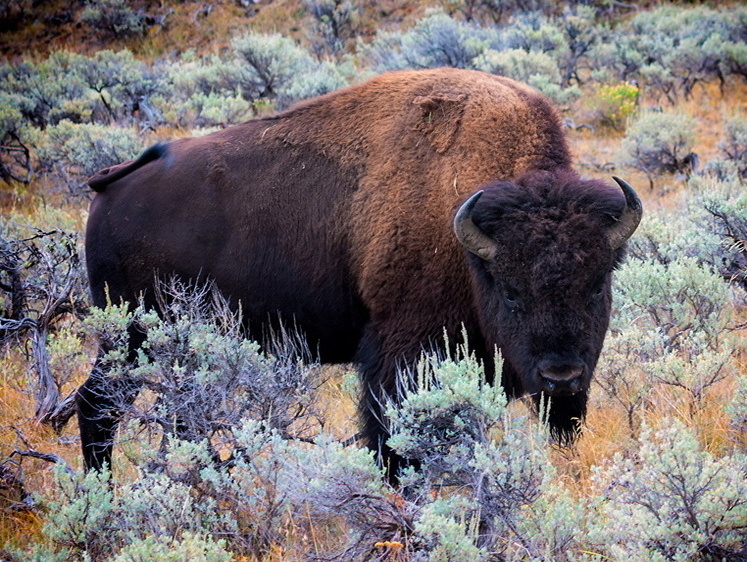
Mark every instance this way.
x=247 y=487
x=120 y=87
x=206 y=375
x=67 y=116
x=326 y=481
x=334 y=23
x=657 y=142
x=79 y=514
x=320 y=79
x=671 y=329
x=450 y=410
x=671 y=49
x=737 y=411
x=535 y=68
x=50 y=89
x=271 y=64
x=708 y=226
x=678 y=299
x=15 y=154
x=143 y=520
x=482 y=472
x=211 y=110
x=274 y=68
x=625 y=370
x=203 y=92
x=109 y=86
x=665 y=236
x=72 y=152
x=436 y=40
x=719 y=213
x=114 y=17
x=670 y=501
x=207 y=74
x=192 y=547
x=734 y=144
x=206 y=471
x=461 y=431
x=533 y=32
x=544 y=53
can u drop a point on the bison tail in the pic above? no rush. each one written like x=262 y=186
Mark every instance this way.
x=101 y=179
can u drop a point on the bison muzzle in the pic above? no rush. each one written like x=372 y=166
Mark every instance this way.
x=376 y=219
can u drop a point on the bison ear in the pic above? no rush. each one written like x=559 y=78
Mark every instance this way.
x=441 y=115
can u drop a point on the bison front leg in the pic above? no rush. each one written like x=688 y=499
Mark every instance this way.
x=380 y=363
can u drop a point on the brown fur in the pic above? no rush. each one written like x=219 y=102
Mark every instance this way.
x=337 y=214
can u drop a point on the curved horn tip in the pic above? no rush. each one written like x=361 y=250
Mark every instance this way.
x=631 y=197
x=467 y=232
x=630 y=217
x=465 y=211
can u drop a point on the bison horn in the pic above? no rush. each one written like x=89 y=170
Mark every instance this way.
x=469 y=235
x=630 y=217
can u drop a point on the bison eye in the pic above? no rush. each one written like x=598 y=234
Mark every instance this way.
x=511 y=297
x=598 y=288
x=597 y=295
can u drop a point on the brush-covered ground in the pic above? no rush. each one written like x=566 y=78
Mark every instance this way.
x=659 y=472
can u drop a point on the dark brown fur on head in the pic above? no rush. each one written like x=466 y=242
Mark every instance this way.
x=546 y=295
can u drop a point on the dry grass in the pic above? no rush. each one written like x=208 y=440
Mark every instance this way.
x=19 y=432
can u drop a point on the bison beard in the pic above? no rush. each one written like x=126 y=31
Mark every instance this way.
x=375 y=218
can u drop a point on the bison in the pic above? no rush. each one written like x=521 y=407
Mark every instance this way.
x=377 y=219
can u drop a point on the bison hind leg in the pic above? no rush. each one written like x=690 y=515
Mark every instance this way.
x=564 y=416
x=99 y=403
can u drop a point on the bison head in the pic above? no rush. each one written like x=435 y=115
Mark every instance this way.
x=542 y=250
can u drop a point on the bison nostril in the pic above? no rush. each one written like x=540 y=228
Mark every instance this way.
x=562 y=375
x=562 y=378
